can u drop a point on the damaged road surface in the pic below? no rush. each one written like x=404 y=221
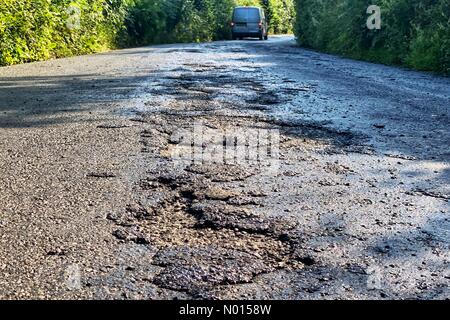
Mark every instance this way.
x=225 y=170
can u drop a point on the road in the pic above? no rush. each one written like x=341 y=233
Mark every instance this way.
x=225 y=170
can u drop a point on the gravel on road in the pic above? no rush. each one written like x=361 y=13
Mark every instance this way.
x=223 y=170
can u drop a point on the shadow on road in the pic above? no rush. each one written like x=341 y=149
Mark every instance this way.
x=41 y=101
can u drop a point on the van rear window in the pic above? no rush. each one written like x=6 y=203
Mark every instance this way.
x=246 y=15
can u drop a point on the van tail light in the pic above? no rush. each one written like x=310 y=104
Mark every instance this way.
x=260 y=24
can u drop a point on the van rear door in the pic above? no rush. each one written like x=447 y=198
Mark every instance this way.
x=246 y=20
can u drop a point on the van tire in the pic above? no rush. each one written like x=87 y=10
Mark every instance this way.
x=266 y=37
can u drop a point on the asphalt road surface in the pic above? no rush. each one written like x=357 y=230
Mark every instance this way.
x=225 y=170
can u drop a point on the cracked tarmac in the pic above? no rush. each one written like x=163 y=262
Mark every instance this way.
x=100 y=175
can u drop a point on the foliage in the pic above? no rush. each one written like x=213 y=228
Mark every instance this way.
x=281 y=14
x=41 y=29
x=415 y=33
x=32 y=30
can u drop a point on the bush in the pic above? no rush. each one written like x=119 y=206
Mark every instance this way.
x=281 y=15
x=33 y=30
x=414 y=33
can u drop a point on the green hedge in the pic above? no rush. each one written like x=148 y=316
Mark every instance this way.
x=414 y=33
x=32 y=30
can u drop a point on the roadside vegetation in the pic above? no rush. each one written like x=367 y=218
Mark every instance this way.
x=32 y=30
x=413 y=33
